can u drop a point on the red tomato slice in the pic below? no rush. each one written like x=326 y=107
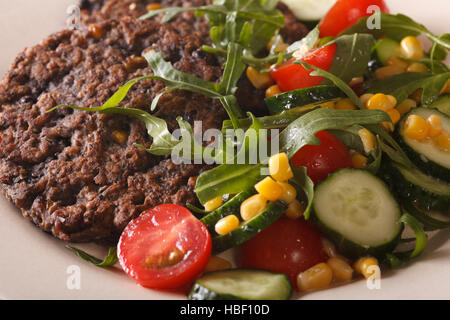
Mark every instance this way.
x=291 y=76
x=321 y=160
x=287 y=246
x=346 y=13
x=165 y=247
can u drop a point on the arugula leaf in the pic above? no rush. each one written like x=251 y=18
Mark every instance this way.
x=389 y=146
x=228 y=18
x=281 y=120
x=352 y=56
x=336 y=80
x=110 y=259
x=234 y=68
x=302 y=181
x=402 y=85
x=351 y=138
x=397 y=259
x=397 y=27
x=227 y=179
x=302 y=131
x=234 y=178
x=174 y=78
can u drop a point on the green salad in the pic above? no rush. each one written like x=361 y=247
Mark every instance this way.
x=354 y=149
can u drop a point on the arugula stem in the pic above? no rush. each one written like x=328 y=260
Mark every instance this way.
x=249 y=60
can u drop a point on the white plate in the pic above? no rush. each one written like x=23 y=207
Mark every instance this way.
x=34 y=265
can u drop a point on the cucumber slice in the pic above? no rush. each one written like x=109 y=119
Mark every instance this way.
x=426 y=154
x=250 y=228
x=386 y=48
x=357 y=211
x=309 y=10
x=230 y=207
x=302 y=97
x=241 y=284
x=415 y=186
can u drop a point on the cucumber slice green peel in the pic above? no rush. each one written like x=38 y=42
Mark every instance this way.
x=302 y=97
x=250 y=228
x=429 y=223
x=230 y=207
x=425 y=154
x=241 y=284
x=411 y=184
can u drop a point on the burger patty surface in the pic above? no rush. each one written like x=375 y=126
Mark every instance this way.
x=67 y=170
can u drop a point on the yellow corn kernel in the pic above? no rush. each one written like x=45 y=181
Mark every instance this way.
x=341 y=269
x=416 y=127
x=434 y=125
x=381 y=101
x=269 y=189
x=368 y=140
x=253 y=206
x=417 y=67
x=281 y=45
x=329 y=248
x=272 y=91
x=316 y=277
x=394 y=115
x=359 y=161
x=328 y=105
x=217 y=263
x=392 y=99
x=260 y=80
x=417 y=95
x=280 y=168
x=154 y=6
x=405 y=106
x=213 y=204
x=396 y=61
x=446 y=87
x=411 y=48
x=345 y=104
x=356 y=81
x=295 y=210
x=387 y=126
x=366 y=97
x=362 y=266
x=443 y=140
x=227 y=224
x=388 y=71
x=120 y=136
x=289 y=192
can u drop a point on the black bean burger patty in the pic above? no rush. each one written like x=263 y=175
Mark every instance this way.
x=93 y=11
x=78 y=174
x=97 y=10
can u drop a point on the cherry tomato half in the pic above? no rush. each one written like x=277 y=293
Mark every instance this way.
x=346 y=13
x=287 y=246
x=165 y=247
x=290 y=76
x=321 y=160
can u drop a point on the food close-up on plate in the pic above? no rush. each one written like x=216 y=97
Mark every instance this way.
x=225 y=150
